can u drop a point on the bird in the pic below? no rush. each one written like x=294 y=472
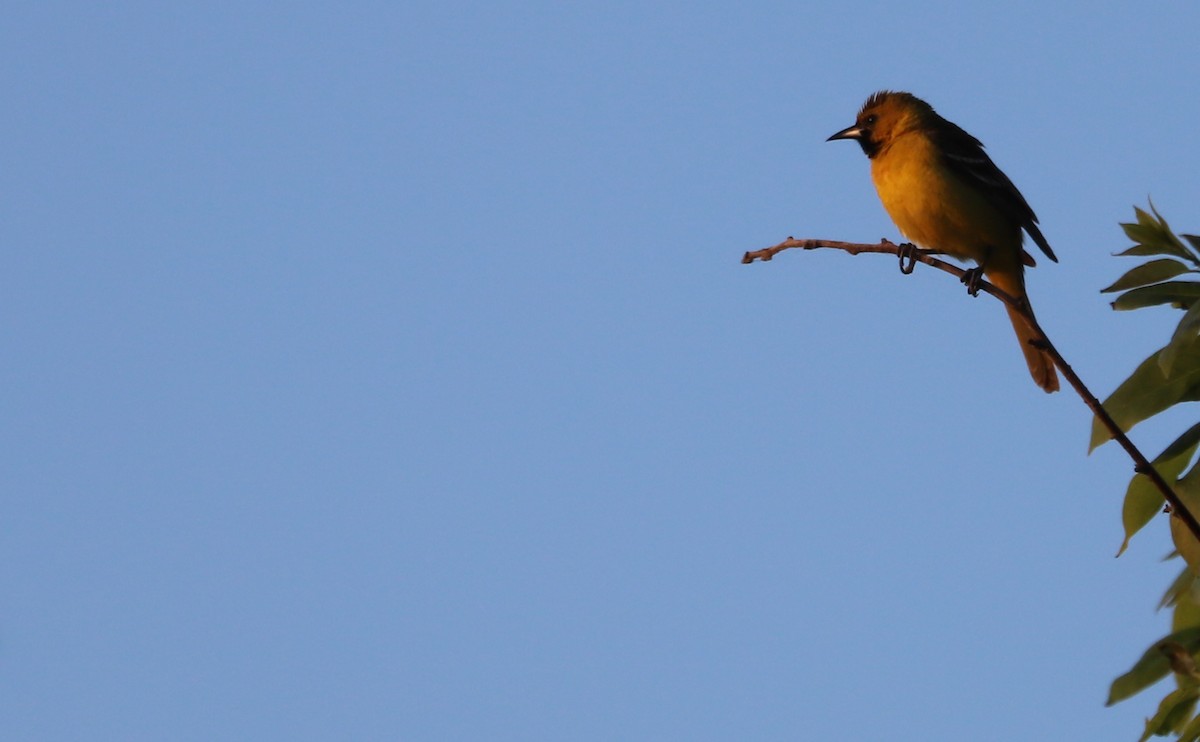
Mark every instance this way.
x=946 y=195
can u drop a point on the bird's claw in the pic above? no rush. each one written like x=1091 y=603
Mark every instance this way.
x=971 y=279
x=908 y=257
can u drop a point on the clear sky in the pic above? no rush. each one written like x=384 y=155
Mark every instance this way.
x=386 y=371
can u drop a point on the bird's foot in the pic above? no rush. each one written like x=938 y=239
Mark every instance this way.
x=908 y=257
x=971 y=280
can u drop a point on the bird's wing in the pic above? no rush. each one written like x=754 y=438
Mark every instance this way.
x=964 y=155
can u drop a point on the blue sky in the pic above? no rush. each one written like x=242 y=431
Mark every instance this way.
x=387 y=371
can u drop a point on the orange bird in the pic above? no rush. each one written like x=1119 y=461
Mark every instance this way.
x=945 y=194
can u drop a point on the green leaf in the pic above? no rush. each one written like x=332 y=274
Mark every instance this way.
x=1166 y=228
x=1140 y=251
x=1185 y=332
x=1181 y=293
x=1146 y=235
x=1142 y=499
x=1148 y=273
x=1191 y=732
x=1152 y=667
x=1148 y=391
x=1173 y=712
x=1154 y=236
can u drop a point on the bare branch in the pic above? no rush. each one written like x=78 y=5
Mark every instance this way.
x=1141 y=464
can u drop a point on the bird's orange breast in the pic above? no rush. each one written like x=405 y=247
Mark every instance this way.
x=935 y=207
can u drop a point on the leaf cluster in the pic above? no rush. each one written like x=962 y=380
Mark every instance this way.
x=1169 y=376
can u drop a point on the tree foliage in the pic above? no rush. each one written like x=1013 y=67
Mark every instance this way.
x=1170 y=376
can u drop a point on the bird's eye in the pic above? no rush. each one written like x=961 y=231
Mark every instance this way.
x=871 y=119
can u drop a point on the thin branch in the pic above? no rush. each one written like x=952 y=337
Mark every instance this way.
x=1141 y=464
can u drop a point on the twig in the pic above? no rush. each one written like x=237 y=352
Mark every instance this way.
x=1141 y=464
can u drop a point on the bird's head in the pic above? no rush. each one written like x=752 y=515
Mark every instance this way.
x=883 y=117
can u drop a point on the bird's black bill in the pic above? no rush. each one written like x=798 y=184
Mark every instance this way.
x=850 y=132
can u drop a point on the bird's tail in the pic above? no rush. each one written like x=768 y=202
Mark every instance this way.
x=1041 y=365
